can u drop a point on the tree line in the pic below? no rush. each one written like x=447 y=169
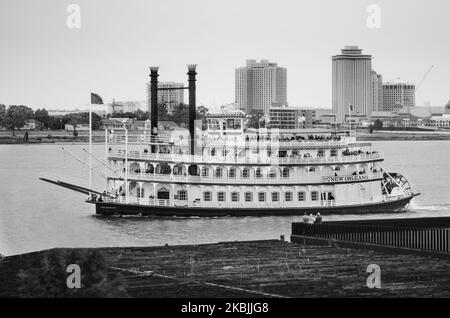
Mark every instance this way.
x=14 y=117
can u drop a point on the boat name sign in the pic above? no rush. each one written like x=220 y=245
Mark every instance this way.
x=344 y=178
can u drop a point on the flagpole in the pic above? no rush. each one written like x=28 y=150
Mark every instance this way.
x=350 y=118
x=90 y=145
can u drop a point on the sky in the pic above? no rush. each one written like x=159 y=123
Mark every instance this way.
x=46 y=64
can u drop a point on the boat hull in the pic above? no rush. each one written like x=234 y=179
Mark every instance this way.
x=110 y=209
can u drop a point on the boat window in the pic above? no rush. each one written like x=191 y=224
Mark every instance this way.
x=314 y=195
x=232 y=173
x=182 y=195
x=261 y=196
x=275 y=197
x=272 y=174
x=235 y=196
x=301 y=196
x=221 y=196
x=165 y=169
x=248 y=196
x=163 y=194
x=288 y=196
x=177 y=170
x=207 y=196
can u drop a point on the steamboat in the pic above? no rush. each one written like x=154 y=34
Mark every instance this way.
x=226 y=169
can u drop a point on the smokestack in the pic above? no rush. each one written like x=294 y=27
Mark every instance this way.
x=192 y=107
x=154 y=100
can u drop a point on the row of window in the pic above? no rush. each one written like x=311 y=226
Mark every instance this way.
x=218 y=173
x=262 y=196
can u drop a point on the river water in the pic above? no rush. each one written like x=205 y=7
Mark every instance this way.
x=35 y=215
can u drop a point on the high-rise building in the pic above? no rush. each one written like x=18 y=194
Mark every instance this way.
x=169 y=97
x=377 y=92
x=398 y=95
x=258 y=85
x=352 y=83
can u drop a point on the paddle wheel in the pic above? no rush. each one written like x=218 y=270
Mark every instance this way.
x=394 y=184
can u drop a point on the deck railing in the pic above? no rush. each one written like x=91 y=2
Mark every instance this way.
x=432 y=239
x=265 y=180
x=182 y=158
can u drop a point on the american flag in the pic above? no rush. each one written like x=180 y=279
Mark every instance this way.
x=96 y=99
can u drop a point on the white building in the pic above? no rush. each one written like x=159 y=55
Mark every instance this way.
x=398 y=95
x=438 y=122
x=377 y=92
x=171 y=98
x=352 y=83
x=123 y=107
x=258 y=85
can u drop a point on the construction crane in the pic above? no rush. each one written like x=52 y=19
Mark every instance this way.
x=407 y=99
x=424 y=77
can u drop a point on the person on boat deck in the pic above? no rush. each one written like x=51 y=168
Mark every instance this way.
x=305 y=218
x=311 y=219
x=318 y=218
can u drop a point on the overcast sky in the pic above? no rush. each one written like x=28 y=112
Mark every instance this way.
x=46 y=64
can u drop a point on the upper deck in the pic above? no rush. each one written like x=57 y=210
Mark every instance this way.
x=262 y=150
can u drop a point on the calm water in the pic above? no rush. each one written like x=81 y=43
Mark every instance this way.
x=36 y=215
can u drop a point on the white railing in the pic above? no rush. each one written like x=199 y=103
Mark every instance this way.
x=182 y=158
x=151 y=177
x=228 y=205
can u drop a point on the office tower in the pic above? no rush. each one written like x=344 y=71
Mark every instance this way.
x=258 y=85
x=352 y=83
x=377 y=92
x=397 y=95
x=169 y=97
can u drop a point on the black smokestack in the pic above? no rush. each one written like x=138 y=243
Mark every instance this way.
x=192 y=107
x=154 y=100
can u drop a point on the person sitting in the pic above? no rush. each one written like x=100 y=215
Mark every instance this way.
x=318 y=218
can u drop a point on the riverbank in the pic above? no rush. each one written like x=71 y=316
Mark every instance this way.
x=387 y=135
x=62 y=136
x=49 y=137
x=268 y=268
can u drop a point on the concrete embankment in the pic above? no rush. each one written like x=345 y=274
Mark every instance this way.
x=261 y=269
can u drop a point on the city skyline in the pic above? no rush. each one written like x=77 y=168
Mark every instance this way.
x=46 y=64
